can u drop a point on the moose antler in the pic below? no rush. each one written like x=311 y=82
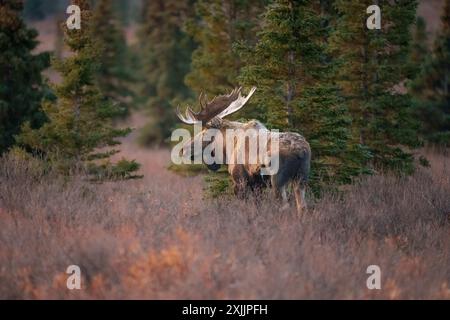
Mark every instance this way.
x=220 y=106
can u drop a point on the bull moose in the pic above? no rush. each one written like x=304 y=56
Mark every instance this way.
x=293 y=152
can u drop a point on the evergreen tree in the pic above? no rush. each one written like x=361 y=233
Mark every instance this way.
x=59 y=38
x=373 y=66
x=80 y=120
x=166 y=53
x=113 y=75
x=21 y=85
x=431 y=89
x=291 y=68
x=216 y=28
x=419 y=47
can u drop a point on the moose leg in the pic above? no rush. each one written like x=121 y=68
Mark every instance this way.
x=257 y=183
x=240 y=181
x=284 y=198
x=299 y=192
x=279 y=191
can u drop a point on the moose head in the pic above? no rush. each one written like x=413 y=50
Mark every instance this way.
x=211 y=116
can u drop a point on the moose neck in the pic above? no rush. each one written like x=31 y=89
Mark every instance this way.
x=237 y=129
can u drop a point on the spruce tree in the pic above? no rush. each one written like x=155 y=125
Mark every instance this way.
x=431 y=89
x=113 y=75
x=80 y=120
x=291 y=68
x=21 y=84
x=166 y=52
x=419 y=47
x=59 y=38
x=217 y=27
x=373 y=67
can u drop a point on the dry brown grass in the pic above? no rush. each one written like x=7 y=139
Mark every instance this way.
x=158 y=239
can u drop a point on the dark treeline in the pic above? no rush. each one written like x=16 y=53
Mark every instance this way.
x=128 y=10
x=363 y=98
x=40 y=9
